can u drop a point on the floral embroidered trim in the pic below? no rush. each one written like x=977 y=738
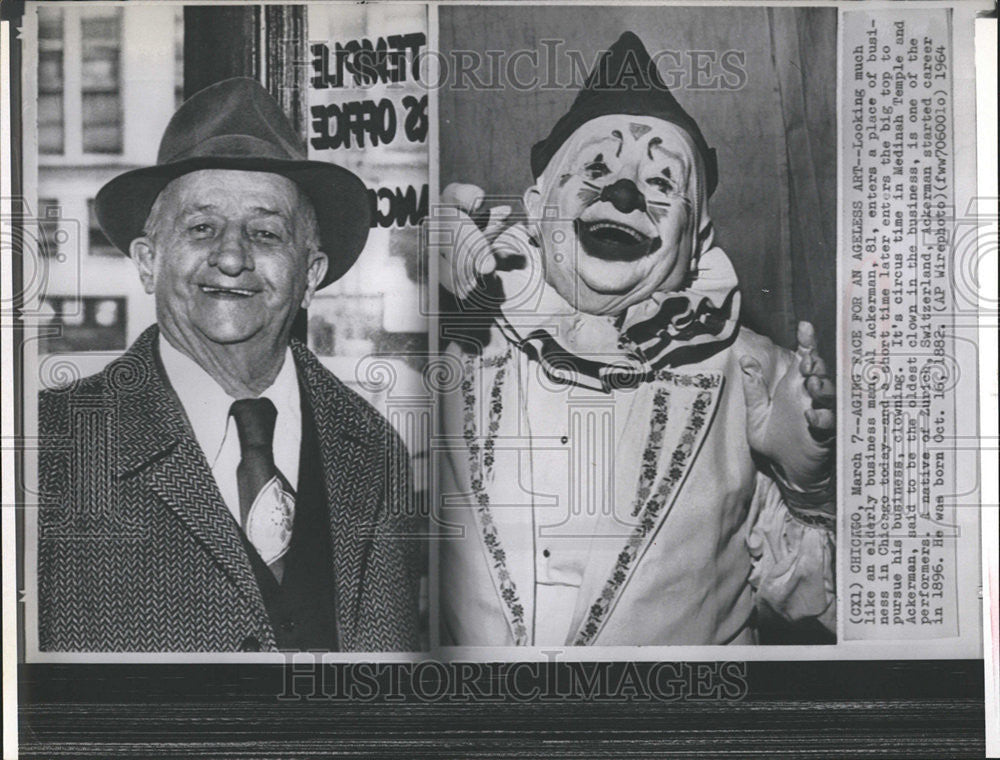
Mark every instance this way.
x=479 y=469
x=647 y=472
x=657 y=424
x=705 y=382
x=647 y=523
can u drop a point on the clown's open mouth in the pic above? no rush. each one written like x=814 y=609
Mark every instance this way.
x=613 y=241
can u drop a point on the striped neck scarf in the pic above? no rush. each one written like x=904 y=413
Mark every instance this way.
x=667 y=330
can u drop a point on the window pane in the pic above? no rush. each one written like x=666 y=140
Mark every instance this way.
x=100 y=29
x=102 y=139
x=50 y=71
x=100 y=109
x=50 y=139
x=100 y=72
x=51 y=133
x=94 y=323
x=101 y=24
x=50 y=123
x=106 y=313
x=50 y=109
x=72 y=312
x=102 y=128
x=50 y=24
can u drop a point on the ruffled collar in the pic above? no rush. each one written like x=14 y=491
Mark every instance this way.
x=605 y=353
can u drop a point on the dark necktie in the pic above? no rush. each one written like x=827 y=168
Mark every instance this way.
x=267 y=504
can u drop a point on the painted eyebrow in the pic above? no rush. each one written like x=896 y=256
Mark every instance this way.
x=596 y=141
x=656 y=144
x=621 y=142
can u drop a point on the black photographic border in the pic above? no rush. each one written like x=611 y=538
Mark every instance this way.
x=930 y=708
x=790 y=709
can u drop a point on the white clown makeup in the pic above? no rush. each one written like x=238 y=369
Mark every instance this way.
x=616 y=211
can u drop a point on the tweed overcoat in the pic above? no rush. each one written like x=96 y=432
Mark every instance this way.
x=138 y=552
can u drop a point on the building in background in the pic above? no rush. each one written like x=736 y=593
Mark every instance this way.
x=109 y=79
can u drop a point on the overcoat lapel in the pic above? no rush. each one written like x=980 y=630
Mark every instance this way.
x=352 y=473
x=156 y=444
x=185 y=484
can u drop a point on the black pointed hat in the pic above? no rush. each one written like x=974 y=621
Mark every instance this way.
x=624 y=81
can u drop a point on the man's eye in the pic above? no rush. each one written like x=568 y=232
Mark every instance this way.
x=203 y=229
x=267 y=235
x=596 y=169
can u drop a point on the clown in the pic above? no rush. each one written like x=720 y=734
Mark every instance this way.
x=636 y=467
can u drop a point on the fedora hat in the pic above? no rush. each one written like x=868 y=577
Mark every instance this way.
x=236 y=124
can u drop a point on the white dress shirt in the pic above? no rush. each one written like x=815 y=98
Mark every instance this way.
x=564 y=522
x=206 y=405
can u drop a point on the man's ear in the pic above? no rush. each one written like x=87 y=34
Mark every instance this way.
x=143 y=255
x=318 y=264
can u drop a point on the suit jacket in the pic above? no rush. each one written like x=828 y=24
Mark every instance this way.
x=138 y=552
x=688 y=534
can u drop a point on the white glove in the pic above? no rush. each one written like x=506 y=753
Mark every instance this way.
x=467 y=253
x=795 y=426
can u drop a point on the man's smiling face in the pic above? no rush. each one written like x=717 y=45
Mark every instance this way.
x=228 y=258
x=620 y=192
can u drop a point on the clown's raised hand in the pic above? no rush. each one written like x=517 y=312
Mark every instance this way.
x=794 y=425
x=466 y=252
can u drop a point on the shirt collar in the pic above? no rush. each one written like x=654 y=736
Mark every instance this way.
x=206 y=404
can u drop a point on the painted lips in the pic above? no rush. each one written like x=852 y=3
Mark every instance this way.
x=613 y=241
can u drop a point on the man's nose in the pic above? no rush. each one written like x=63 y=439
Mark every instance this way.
x=232 y=254
x=624 y=196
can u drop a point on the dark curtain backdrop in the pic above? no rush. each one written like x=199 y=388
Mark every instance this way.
x=776 y=137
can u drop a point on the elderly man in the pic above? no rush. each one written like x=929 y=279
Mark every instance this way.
x=216 y=488
x=638 y=468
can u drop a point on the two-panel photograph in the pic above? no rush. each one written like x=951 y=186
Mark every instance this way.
x=379 y=375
